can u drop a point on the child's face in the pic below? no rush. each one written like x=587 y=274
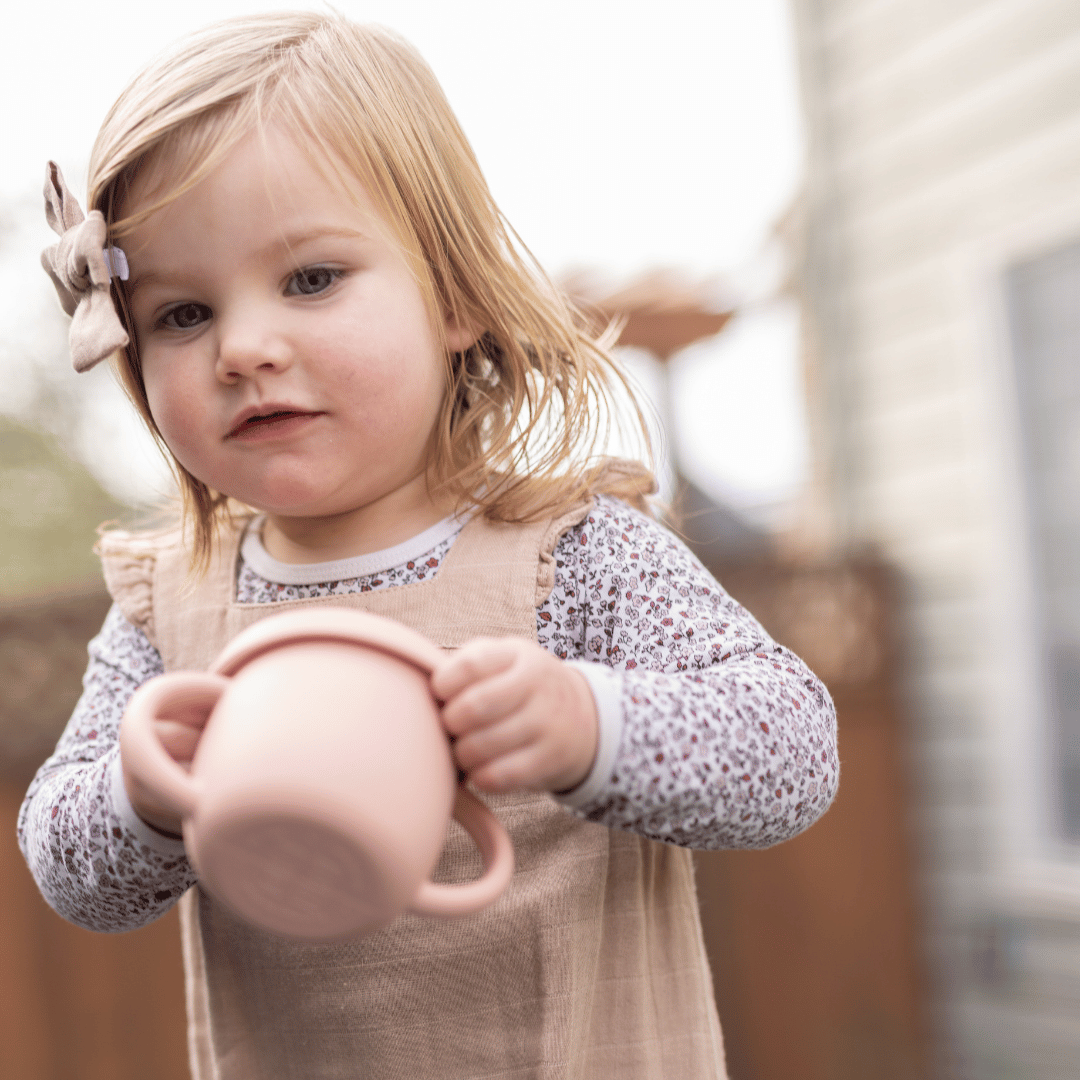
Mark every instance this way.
x=287 y=351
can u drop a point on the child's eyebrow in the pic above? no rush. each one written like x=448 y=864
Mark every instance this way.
x=151 y=277
x=284 y=243
x=288 y=241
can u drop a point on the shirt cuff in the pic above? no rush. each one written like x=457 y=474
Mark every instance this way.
x=606 y=687
x=131 y=821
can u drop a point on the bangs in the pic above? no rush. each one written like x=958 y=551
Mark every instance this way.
x=345 y=140
x=532 y=403
x=172 y=166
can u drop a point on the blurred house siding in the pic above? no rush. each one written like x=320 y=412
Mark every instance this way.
x=944 y=149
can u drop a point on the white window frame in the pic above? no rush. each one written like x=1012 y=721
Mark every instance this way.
x=1038 y=872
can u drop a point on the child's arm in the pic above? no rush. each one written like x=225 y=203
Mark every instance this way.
x=717 y=736
x=96 y=863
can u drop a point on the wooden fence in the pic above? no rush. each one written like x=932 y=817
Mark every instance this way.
x=813 y=944
x=73 y=1005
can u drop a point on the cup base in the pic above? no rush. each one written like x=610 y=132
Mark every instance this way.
x=295 y=877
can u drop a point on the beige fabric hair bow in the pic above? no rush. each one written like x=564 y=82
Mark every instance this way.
x=81 y=266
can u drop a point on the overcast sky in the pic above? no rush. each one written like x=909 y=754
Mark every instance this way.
x=619 y=136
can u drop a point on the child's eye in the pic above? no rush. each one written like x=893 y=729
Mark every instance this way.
x=185 y=316
x=311 y=280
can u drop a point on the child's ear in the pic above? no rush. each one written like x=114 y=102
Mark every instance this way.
x=461 y=334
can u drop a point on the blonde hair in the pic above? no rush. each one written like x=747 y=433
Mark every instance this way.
x=531 y=405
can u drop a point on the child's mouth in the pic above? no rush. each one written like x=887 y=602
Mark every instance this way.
x=277 y=421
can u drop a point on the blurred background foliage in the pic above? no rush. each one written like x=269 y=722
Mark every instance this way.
x=50 y=506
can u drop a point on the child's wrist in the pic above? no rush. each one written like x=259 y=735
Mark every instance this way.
x=130 y=817
x=585 y=732
x=605 y=686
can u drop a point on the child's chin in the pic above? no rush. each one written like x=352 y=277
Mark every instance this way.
x=290 y=496
x=294 y=510
x=299 y=508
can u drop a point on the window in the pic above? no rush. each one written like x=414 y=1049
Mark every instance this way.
x=1043 y=300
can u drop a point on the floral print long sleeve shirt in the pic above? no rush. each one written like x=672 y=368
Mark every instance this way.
x=712 y=735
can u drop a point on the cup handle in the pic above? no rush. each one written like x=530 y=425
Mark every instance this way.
x=140 y=749
x=498 y=852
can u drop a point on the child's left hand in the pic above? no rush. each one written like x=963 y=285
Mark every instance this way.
x=521 y=717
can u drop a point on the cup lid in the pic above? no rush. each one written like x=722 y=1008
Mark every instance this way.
x=328 y=624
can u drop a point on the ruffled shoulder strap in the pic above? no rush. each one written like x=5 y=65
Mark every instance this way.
x=128 y=561
x=545 y=568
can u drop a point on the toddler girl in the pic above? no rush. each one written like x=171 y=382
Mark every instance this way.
x=371 y=399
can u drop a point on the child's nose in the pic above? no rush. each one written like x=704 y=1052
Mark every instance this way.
x=250 y=347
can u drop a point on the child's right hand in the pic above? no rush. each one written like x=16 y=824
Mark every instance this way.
x=521 y=718
x=180 y=738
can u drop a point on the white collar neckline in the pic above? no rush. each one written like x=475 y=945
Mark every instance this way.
x=280 y=573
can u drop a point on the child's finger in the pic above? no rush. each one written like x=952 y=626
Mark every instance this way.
x=525 y=768
x=485 y=701
x=178 y=738
x=480 y=747
x=476 y=660
x=484 y=744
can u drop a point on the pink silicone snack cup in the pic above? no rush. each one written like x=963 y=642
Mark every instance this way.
x=319 y=797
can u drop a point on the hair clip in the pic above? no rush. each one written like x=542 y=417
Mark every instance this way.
x=116 y=263
x=82 y=268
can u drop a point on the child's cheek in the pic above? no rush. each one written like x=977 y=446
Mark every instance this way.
x=182 y=418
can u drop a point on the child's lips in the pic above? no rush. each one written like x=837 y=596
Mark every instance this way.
x=271 y=423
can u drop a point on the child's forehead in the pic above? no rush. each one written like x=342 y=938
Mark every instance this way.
x=267 y=192
x=268 y=163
